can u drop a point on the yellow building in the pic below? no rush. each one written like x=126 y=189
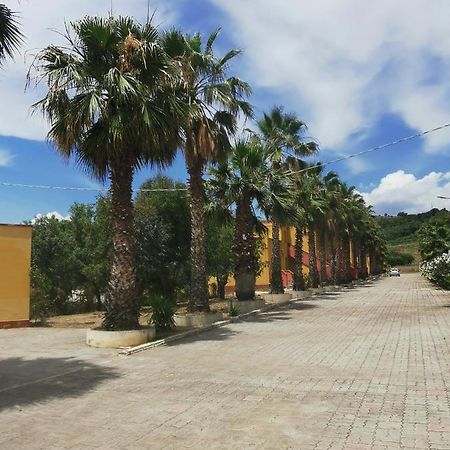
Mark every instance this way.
x=15 y=263
x=287 y=244
x=287 y=247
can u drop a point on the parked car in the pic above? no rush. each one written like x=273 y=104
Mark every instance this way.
x=394 y=272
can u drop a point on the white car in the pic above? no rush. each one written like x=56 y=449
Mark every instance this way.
x=394 y=272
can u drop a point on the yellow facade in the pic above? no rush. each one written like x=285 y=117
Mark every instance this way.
x=287 y=239
x=15 y=263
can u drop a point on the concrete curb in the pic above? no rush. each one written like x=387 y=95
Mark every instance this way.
x=222 y=323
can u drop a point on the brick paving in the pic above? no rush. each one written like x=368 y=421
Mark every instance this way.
x=367 y=368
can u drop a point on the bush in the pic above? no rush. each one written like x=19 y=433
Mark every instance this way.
x=163 y=311
x=438 y=270
x=395 y=258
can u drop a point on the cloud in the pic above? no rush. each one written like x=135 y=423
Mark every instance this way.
x=6 y=158
x=39 y=20
x=344 y=64
x=49 y=215
x=401 y=191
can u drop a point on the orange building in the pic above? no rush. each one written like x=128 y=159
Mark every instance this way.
x=15 y=263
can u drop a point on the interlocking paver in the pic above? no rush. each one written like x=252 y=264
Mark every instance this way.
x=366 y=368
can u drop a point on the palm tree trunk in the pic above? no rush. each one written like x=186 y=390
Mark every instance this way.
x=122 y=307
x=333 y=261
x=276 y=281
x=363 y=263
x=198 y=295
x=322 y=258
x=222 y=281
x=355 y=249
x=299 y=279
x=314 y=275
x=346 y=259
x=244 y=251
x=339 y=261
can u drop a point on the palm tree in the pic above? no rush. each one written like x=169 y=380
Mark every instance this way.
x=215 y=101
x=110 y=106
x=10 y=34
x=242 y=180
x=282 y=134
x=309 y=206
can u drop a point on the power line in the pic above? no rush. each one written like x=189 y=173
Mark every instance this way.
x=373 y=149
x=326 y=163
x=74 y=188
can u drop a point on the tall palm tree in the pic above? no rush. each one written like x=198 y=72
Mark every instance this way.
x=10 y=35
x=283 y=134
x=111 y=107
x=309 y=204
x=241 y=181
x=215 y=100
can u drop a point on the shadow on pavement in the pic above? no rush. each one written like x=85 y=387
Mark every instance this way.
x=281 y=313
x=24 y=382
x=216 y=334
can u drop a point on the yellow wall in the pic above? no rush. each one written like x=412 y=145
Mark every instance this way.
x=15 y=261
x=287 y=238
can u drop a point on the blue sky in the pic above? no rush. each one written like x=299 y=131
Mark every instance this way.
x=356 y=83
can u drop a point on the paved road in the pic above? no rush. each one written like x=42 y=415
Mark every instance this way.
x=365 y=368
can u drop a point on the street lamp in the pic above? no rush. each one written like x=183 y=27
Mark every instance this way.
x=445 y=198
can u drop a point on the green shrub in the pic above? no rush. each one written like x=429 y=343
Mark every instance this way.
x=234 y=309
x=162 y=313
x=395 y=258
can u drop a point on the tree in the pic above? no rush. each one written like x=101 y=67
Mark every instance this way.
x=162 y=231
x=219 y=252
x=282 y=134
x=10 y=35
x=90 y=229
x=434 y=238
x=215 y=101
x=110 y=106
x=53 y=266
x=242 y=180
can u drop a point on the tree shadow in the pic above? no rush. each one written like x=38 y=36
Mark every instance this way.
x=24 y=382
x=215 y=334
x=283 y=312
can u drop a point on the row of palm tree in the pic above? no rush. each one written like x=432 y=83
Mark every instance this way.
x=331 y=214
x=121 y=96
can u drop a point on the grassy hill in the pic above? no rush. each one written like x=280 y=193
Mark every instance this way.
x=400 y=232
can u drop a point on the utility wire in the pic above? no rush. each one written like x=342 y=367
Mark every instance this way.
x=373 y=149
x=326 y=163
x=69 y=188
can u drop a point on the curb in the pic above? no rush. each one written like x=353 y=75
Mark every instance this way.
x=176 y=337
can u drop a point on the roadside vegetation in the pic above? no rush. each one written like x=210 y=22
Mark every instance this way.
x=402 y=236
x=121 y=96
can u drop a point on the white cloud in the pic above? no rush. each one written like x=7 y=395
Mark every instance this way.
x=347 y=62
x=53 y=214
x=6 y=158
x=38 y=20
x=400 y=191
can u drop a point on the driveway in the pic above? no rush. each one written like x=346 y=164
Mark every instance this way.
x=365 y=368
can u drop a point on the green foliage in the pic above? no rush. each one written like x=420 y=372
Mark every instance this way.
x=70 y=261
x=434 y=237
x=394 y=258
x=234 y=309
x=162 y=313
x=219 y=252
x=403 y=228
x=437 y=270
x=162 y=237
x=404 y=236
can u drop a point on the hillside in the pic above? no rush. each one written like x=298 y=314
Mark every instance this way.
x=400 y=233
